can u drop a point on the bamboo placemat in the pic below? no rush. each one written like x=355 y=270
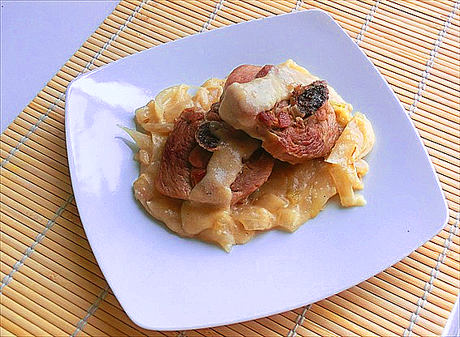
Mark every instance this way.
x=51 y=283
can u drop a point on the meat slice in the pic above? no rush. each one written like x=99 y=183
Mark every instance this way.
x=288 y=110
x=311 y=131
x=255 y=170
x=242 y=74
x=213 y=113
x=198 y=158
x=188 y=150
x=246 y=73
x=254 y=174
x=174 y=178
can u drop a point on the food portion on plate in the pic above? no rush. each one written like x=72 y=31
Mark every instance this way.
x=264 y=148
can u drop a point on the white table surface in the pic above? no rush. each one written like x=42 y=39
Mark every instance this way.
x=38 y=37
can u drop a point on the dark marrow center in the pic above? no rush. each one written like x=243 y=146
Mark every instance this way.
x=205 y=137
x=310 y=98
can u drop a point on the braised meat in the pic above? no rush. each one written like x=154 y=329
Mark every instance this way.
x=198 y=158
x=298 y=127
x=189 y=148
x=295 y=121
x=242 y=74
x=213 y=113
x=174 y=175
x=255 y=172
x=304 y=129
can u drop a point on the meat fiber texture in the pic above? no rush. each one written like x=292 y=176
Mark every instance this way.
x=283 y=108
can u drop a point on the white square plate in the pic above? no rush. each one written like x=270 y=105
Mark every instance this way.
x=165 y=282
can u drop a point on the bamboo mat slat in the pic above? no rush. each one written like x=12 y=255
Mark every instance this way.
x=66 y=311
x=51 y=283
